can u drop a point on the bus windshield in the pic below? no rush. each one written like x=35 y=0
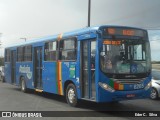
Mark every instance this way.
x=125 y=56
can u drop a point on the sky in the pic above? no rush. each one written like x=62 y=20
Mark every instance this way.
x=36 y=18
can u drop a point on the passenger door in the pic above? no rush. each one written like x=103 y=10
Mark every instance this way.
x=38 y=67
x=88 y=52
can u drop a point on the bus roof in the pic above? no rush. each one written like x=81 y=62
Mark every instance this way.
x=68 y=34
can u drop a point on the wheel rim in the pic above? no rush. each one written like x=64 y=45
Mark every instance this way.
x=153 y=94
x=23 y=85
x=71 y=95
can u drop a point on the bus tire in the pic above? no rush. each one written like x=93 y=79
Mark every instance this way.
x=71 y=95
x=23 y=85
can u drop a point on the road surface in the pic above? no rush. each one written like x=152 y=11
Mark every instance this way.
x=12 y=99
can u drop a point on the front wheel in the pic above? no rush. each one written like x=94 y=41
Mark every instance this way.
x=154 y=94
x=71 y=95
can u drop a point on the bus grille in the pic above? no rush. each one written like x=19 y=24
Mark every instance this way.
x=129 y=81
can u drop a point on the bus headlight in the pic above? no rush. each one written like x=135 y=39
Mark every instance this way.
x=106 y=87
x=148 y=85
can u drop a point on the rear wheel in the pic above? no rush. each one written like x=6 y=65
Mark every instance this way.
x=71 y=95
x=23 y=85
x=154 y=94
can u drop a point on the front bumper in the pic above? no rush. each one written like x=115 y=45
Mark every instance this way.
x=105 y=96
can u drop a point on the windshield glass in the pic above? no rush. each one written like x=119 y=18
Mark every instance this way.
x=125 y=56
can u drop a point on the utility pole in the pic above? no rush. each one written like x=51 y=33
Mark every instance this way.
x=89 y=12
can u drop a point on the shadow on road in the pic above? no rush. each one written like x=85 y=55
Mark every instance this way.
x=91 y=109
x=88 y=105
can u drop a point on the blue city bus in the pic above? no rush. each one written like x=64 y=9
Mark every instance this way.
x=100 y=64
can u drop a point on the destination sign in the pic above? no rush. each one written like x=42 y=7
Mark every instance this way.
x=124 y=32
x=111 y=42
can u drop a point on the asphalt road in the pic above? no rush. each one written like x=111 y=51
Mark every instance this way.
x=12 y=99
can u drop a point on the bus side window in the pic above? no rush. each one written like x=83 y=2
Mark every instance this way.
x=7 y=55
x=28 y=53
x=68 y=49
x=51 y=51
x=20 y=55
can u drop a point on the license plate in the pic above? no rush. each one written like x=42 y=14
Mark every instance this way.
x=130 y=95
x=138 y=86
